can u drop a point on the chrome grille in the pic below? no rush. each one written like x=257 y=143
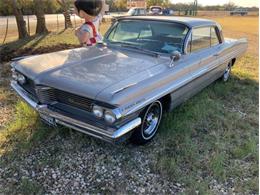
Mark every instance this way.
x=30 y=87
x=48 y=95
x=74 y=100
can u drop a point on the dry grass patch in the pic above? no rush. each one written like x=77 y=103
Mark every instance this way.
x=242 y=27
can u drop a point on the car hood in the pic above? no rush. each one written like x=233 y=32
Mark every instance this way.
x=89 y=71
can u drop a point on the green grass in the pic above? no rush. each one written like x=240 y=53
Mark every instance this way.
x=209 y=132
x=27 y=187
x=21 y=130
x=246 y=149
x=212 y=136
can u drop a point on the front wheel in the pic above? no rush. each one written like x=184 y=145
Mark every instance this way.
x=151 y=118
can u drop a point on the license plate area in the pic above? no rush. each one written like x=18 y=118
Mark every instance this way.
x=48 y=119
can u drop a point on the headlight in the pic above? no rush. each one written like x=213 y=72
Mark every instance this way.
x=110 y=117
x=21 y=79
x=18 y=77
x=101 y=112
x=98 y=111
x=15 y=76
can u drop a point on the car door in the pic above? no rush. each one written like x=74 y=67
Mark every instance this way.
x=224 y=53
x=218 y=45
x=201 y=45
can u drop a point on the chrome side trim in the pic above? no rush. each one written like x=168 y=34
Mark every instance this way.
x=177 y=86
x=76 y=124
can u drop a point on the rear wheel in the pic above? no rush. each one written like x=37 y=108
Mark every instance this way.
x=227 y=72
x=151 y=118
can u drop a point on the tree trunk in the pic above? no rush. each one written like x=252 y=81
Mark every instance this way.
x=65 y=7
x=39 y=11
x=68 y=23
x=21 y=24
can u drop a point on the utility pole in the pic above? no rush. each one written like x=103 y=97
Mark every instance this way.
x=195 y=8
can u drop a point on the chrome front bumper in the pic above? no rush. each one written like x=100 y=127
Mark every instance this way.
x=83 y=127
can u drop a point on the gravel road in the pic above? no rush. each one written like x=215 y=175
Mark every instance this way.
x=80 y=164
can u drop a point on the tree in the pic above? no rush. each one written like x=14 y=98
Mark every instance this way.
x=164 y=3
x=180 y=6
x=110 y=3
x=21 y=24
x=120 y=4
x=51 y=7
x=230 y=6
x=65 y=5
x=28 y=8
x=39 y=12
x=5 y=8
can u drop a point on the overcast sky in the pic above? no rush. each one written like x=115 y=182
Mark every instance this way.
x=247 y=3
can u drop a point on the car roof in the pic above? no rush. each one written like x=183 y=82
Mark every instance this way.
x=189 y=21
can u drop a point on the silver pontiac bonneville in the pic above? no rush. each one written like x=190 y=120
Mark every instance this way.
x=120 y=88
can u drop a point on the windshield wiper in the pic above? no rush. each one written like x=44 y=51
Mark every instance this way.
x=132 y=46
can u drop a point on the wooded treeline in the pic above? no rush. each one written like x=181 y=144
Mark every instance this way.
x=121 y=5
x=19 y=8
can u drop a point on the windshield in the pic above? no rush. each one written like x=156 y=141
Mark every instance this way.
x=161 y=37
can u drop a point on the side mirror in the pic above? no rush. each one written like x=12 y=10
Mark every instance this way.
x=175 y=56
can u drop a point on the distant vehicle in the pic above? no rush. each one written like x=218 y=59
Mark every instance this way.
x=240 y=11
x=137 y=11
x=167 y=12
x=156 y=10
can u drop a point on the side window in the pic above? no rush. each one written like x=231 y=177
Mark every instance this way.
x=214 y=37
x=200 y=38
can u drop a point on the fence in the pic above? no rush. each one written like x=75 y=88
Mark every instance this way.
x=54 y=23
x=222 y=13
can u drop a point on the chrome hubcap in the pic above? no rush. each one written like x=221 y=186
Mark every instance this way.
x=151 y=121
x=227 y=74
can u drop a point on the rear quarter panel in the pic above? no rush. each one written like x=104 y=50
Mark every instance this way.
x=232 y=49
